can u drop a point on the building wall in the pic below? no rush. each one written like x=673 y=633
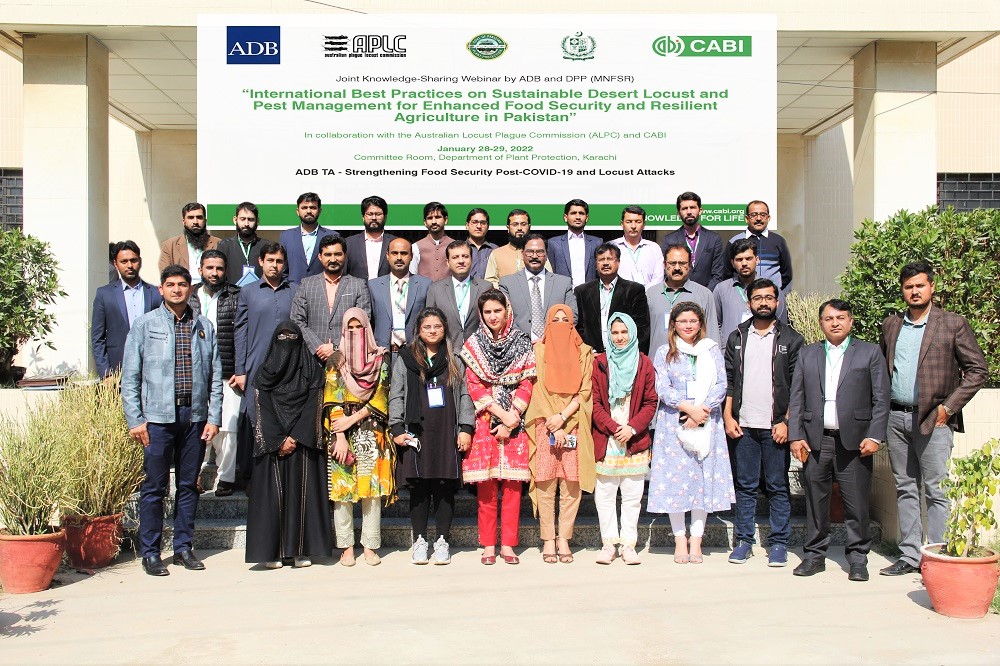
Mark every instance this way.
x=11 y=123
x=968 y=137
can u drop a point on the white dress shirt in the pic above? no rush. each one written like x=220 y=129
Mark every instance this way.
x=642 y=264
x=399 y=313
x=373 y=254
x=834 y=361
x=577 y=257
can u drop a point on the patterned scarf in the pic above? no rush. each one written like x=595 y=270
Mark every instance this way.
x=502 y=363
x=361 y=357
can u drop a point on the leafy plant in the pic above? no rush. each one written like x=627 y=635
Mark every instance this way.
x=971 y=484
x=963 y=248
x=803 y=314
x=28 y=288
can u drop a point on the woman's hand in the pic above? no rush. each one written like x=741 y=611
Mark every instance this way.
x=287 y=447
x=624 y=434
x=342 y=424
x=690 y=423
x=511 y=418
x=501 y=432
x=560 y=438
x=697 y=413
x=464 y=441
x=401 y=440
x=341 y=449
x=554 y=422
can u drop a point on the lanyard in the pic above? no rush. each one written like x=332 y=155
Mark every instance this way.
x=826 y=350
x=693 y=361
x=743 y=293
x=673 y=299
x=246 y=251
x=694 y=248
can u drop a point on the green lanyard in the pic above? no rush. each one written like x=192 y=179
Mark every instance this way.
x=826 y=349
x=693 y=362
x=743 y=293
x=676 y=294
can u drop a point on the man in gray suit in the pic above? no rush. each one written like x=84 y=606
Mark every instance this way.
x=458 y=296
x=838 y=414
x=320 y=302
x=534 y=290
x=397 y=298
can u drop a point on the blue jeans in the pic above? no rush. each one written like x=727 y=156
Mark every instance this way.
x=756 y=451
x=179 y=445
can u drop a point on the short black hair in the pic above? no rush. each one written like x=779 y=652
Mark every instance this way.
x=519 y=211
x=272 y=247
x=536 y=236
x=332 y=239
x=491 y=294
x=677 y=246
x=576 y=202
x=124 y=245
x=376 y=201
x=836 y=304
x=757 y=201
x=194 y=205
x=762 y=283
x=916 y=268
x=175 y=270
x=454 y=245
x=741 y=246
x=635 y=210
x=478 y=211
x=212 y=254
x=688 y=196
x=309 y=197
x=608 y=247
x=435 y=206
x=249 y=207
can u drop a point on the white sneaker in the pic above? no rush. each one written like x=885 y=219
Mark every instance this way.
x=629 y=556
x=419 y=551
x=273 y=565
x=608 y=554
x=301 y=562
x=442 y=553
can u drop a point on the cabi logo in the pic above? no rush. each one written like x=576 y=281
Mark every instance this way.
x=253 y=45
x=701 y=46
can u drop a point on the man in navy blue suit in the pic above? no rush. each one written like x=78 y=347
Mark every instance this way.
x=572 y=253
x=116 y=306
x=301 y=243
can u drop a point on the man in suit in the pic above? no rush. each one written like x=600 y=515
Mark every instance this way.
x=320 y=302
x=429 y=252
x=572 y=254
x=708 y=252
x=458 y=296
x=301 y=242
x=534 y=290
x=185 y=250
x=116 y=307
x=838 y=411
x=477 y=223
x=243 y=250
x=397 y=298
x=172 y=397
x=936 y=367
x=598 y=299
x=508 y=259
x=367 y=251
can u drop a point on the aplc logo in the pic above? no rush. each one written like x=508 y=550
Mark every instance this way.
x=253 y=45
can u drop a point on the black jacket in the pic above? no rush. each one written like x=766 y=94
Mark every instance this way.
x=628 y=297
x=225 y=317
x=785 y=354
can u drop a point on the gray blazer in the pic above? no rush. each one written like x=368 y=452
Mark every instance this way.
x=309 y=310
x=380 y=290
x=558 y=289
x=862 y=395
x=441 y=295
x=465 y=411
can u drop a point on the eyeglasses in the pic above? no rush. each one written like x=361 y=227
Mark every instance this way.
x=764 y=299
x=676 y=264
x=688 y=322
x=760 y=215
x=535 y=253
x=375 y=215
x=431 y=327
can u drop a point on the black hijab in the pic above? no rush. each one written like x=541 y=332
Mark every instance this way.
x=413 y=409
x=287 y=384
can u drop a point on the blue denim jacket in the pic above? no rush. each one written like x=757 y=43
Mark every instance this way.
x=148 y=371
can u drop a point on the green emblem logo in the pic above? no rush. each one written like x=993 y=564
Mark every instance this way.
x=578 y=47
x=701 y=46
x=487 y=46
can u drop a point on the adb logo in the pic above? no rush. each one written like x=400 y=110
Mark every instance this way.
x=253 y=45
x=664 y=45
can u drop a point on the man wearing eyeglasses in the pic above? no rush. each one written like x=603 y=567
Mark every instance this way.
x=775 y=261
x=477 y=223
x=732 y=298
x=367 y=251
x=674 y=288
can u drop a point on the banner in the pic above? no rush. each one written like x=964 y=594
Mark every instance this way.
x=495 y=111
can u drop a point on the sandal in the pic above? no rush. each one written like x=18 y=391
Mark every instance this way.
x=699 y=557
x=566 y=558
x=681 y=558
x=489 y=559
x=550 y=558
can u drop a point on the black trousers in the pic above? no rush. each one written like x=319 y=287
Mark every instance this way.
x=832 y=462
x=424 y=493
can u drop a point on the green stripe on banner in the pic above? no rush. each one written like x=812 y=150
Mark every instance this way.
x=543 y=216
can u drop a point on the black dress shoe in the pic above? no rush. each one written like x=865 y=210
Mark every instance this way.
x=900 y=568
x=810 y=568
x=154 y=566
x=859 y=573
x=187 y=558
x=224 y=489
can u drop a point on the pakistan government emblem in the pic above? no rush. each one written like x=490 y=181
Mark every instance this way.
x=486 y=46
x=578 y=47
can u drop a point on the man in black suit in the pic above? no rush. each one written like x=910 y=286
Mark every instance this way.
x=838 y=415
x=366 y=252
x=301 y=242
x=599 y=298
x=708 y=252
x=116 y=306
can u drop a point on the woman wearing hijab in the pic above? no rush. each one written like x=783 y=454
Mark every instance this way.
x=624 y=406
x=690 y=469
x=431 y=421
x=561 y=451
x=288 y=517
x=362 y=459
x=500 y=368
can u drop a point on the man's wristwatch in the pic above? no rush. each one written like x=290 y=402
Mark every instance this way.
x=948 y=410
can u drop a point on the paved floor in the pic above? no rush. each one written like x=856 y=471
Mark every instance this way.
x=396 y=613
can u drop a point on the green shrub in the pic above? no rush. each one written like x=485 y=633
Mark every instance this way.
x=803 y=314
x=963 y=248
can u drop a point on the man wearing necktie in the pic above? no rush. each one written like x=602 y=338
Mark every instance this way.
x=457 y=296
x=397 y=298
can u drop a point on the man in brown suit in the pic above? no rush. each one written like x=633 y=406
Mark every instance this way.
x=185 y=250
x=936 y=367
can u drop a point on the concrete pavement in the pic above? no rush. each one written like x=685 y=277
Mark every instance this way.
x=397 y=613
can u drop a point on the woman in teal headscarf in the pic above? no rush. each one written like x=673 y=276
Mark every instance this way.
x=624 y=405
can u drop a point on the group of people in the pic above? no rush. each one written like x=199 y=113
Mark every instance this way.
x=328 y=372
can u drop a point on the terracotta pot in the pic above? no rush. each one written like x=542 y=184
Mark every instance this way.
x=28 y=563
x=959 y=586
x=92 y=543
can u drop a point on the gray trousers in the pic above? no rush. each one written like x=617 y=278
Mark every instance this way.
x=918 y=460
x=371 y=525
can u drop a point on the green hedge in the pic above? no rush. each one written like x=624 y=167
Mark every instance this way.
x=963 y=248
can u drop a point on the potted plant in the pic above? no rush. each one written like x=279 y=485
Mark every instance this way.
x=34 y=480
x=108 y=470
x=961 y=574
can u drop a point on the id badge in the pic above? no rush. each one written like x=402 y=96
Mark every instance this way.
x=689 y=390
x=666 y=321
x=435 y=395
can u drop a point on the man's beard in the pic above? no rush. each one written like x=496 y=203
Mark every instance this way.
x=517 y=242
x=247 y=234
x=764 y=317
x=197 y=241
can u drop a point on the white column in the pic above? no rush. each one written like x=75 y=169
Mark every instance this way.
x=788 y=211
x=895 y=123
x=66 y=182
